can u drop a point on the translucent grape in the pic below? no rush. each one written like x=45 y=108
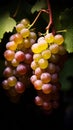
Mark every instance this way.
x=58 y=39
x=46 y=54
x=43 y=63
x=9 y=55
x=12 y=81
x=49 y=38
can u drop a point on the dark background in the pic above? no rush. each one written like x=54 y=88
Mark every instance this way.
x=24 y=114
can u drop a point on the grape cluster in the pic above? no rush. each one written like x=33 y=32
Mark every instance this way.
x=18 y=57
x=48 y=59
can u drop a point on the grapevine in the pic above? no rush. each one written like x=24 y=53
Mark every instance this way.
x=36 y=59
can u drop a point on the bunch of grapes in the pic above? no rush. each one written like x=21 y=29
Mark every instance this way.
x=18 y=57
x=48 y=59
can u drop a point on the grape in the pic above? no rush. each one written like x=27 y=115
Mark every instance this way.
x=42 y=45
x=38 y=101
x=25 y=22
x=46 y=54
x=38 y=84
x=9 y=55
x=19 y=87
x=14 y=62
x=38 y=72
x=17 y=38
x=49 y=38
x=34 y=65
x=37 y=57
x=54 y=48
x=35 y=48
x=19 y=27
x=7 y=72
x=33 y=35
x=5 y=84
x=46 y=65
x=25 y=33
x=45 y=77
x=33 y=78
x=21 y=69
x=27 y=43
x=12 y=81
x=47 y=88
x=11 y=45
x=43 y=63
x=51 y=68
x=28 y=58
x=19 y=56
x=58 y=39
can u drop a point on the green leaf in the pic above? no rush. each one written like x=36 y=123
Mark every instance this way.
x=68 y=36
x=38 y=5
x=6 y=24
x=66 y=20
x=66 y=74
x=66 y=17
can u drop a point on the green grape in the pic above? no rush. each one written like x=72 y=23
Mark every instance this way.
x=25 y=32
x=46 y=54
x=19 y=27
x=25 y=22
x=35 y=48
x=49 y=38
x=37 y=57
x=58 y=38
x=42 y=44
x=43 y=63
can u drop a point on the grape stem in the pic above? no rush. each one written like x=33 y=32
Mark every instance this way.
x=51 y=23
x=42 y=10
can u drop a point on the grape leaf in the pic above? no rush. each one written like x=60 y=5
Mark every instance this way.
x=68 y=36
x=6 y=24
x=38 y=5
x=67 y=74
x=66 y=20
